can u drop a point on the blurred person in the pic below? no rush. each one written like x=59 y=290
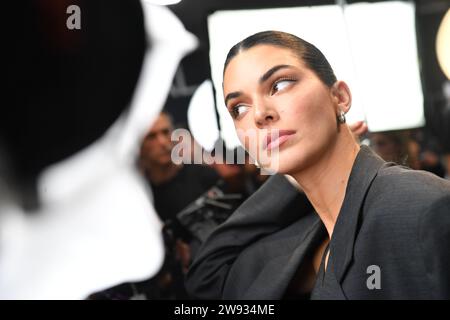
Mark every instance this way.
x=74 y=212
x=430 y=161
x=393 y=146
x=174 y=187
x=430 y=156
x=401 y=148
x=156 y=148
x=232 y=174
x=228 y=166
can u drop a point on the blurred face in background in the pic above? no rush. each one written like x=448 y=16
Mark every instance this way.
x=388 y=146
x=157 y=145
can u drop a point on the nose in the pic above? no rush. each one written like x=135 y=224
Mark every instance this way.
x=265 y=114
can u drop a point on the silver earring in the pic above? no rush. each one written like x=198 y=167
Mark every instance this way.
x=341 y=117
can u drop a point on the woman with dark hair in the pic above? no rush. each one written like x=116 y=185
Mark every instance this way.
x=374 y=230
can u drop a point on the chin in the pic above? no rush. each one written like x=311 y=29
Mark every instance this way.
x=165 y=162
x=281 y=169
x=280 y=165
x=300 y=164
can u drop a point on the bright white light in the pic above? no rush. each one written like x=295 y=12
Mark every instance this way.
x=443 y=44
x=383 y=41
x=162 y=2
x=202 y=116
x=372 y=47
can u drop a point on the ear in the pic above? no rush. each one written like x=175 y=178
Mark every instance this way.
x=342 y=96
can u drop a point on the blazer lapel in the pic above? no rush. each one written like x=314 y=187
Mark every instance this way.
x=277 y=274
x=364 y=171
x=292 y=261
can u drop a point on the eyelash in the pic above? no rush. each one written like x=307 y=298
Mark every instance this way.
x=233 y=110
x=290 y=79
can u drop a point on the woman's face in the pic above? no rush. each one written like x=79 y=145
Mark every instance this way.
x=268 y=91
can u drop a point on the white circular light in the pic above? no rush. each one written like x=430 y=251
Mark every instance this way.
x=202 y=116
x=443 y=44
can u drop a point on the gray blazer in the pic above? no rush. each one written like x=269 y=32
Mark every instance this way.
x=391 y=239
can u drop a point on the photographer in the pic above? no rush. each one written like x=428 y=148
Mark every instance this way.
x=174 y=187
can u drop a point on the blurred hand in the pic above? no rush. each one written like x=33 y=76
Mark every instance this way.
x=358 y=129
x=183 y=252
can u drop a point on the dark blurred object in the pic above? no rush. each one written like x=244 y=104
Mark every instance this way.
x=417 y=149
x=395 y=146
x=430 y=153
x=237 y=170
x=172 y=196
x=430 y=161
x=208 y=212
x=66 y=87
x=197 y=220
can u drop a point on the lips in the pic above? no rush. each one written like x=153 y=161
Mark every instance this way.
x=276 y=138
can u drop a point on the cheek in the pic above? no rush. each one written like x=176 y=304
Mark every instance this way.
x=312 y=117
x=244 y=138
x=299 y=111
x=146 y=147
x=151 y=146
x=244 y=128
x=309 y=110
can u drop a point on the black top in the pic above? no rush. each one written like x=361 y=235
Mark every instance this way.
x=173 y=196
x=297 y=288
x=326 y=283
x=190 y=183
x=392 y=218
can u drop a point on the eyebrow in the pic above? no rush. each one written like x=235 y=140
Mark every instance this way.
x=232 y=95
x=272 y=70
x=261 y=80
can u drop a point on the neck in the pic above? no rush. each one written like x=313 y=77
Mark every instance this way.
x=162 y=173
x=325 y=183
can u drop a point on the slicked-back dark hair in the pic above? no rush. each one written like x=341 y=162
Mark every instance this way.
x=307 y=52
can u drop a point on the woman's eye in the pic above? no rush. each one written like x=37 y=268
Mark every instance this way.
x=238 y=110
x=281 y=85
